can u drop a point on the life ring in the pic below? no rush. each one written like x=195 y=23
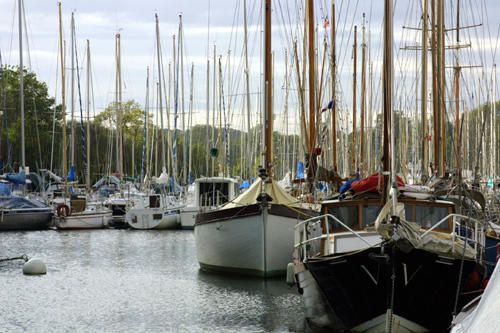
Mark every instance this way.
x=62 y=210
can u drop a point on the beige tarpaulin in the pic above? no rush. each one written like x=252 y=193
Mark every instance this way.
x=249 y=197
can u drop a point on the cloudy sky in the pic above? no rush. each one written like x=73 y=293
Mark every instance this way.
x=219 y=22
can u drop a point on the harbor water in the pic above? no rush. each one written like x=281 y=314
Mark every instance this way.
x=133 y=281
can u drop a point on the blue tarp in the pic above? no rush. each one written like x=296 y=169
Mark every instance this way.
x=16 y=178
x=4 y=190
x=71 y=174
x=300 y=170
x=245 y=185
x=347 y=185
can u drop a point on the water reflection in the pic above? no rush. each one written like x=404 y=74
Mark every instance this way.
x=133 y=281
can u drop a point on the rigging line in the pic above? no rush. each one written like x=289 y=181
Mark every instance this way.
x=26 y=35
x=12 y=31
x=54 y=112
x=208 y=29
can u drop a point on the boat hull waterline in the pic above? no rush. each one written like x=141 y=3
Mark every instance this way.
x=358 y=288
x=252 y=240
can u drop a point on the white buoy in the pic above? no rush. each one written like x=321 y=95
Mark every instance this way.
x=34 y=267
x=290 y=274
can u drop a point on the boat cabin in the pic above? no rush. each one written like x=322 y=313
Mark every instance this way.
x=214 y=191
x=360 y=215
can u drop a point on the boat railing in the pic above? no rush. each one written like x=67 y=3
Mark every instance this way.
x=461 y=230
x=302 y=240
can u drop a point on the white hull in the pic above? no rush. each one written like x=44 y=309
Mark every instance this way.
x=83 y=221
x=153 y=218
x=258 y=245
x=188 y=217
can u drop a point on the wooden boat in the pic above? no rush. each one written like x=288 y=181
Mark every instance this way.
x=364 y=274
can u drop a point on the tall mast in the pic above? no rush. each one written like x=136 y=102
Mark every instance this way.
x=72 y=150
x=63 y=95
x=88 y=116
x=207 y=137
x=21 y=84
x=176 y=108
x=158 y=51
x=423 y=116
x=456 y=73
x=268 y=100
x=119 y=142
x=214 y=108
x=312 y=78
x=246 y=168
x=190 y=123
x=388 y=160
x=441 y=88
x=354 y=83
x=363 y=99
x=181 y=59
x=334 y=91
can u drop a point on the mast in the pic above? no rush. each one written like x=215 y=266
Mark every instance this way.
x=63 y=95
x=145 y=143
x=363 y=100
x=214 y=103
x=180 y=41
x=354 y=83
x=246 y=169
x=207 y=137
x=334 y=90
x=72 y=138
x=176 y=108
x=441 y=88
x=388 y=160
x=88 y=116
x=312 y=80
x=190 y=123
x=423 y=116
x=435 y=99
x=268 y=112
x=456 y=72
x=118 y=83
x=158 y=51
x=21 y=85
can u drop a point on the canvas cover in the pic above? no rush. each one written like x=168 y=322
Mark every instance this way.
x=276 y=192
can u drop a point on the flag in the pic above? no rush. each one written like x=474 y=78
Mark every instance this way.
x=329 y=106
x=326 y=23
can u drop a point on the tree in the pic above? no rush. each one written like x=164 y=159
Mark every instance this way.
x=131 y=123
x=38 y=108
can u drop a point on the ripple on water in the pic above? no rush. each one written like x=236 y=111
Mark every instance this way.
x=133 y=281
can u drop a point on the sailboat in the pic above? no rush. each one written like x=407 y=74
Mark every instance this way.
x=253 y=234
x=78 y=212
x=20 y=212
x=371 y=264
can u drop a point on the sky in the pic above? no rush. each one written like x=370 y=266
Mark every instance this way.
x=220 y=22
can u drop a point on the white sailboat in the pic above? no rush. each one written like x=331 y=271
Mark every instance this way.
x=78 y=213
x=254 y=233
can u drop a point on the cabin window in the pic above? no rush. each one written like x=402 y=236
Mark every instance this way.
x=370 y=213
x=428 y=216
x=214 y=194
x=349 y=215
